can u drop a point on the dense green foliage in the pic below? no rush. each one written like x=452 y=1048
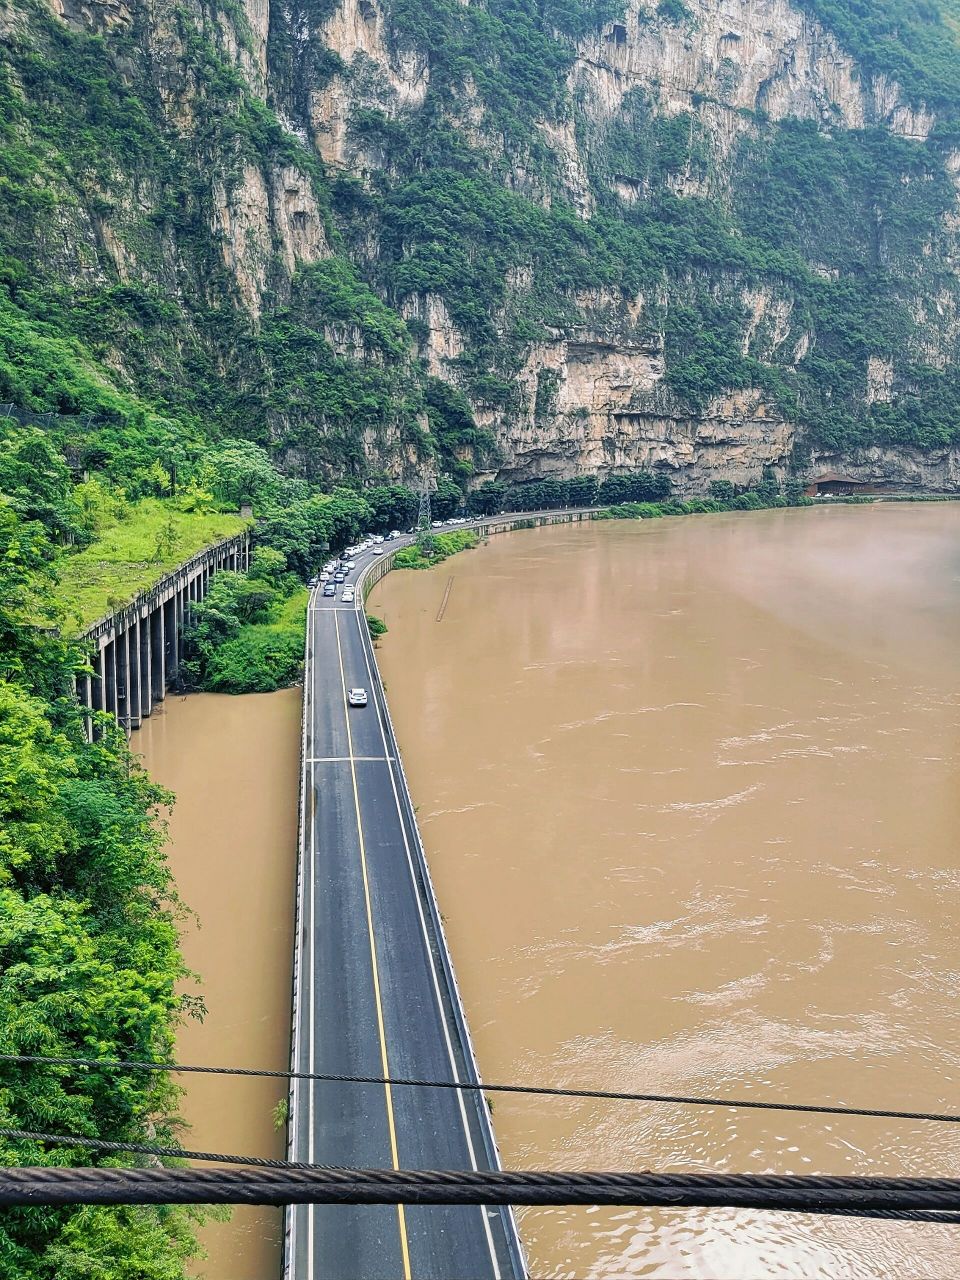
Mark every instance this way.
x=723 y=497
x=434 y=548
x=913 y=41
x=89 y=958
x=247 y=635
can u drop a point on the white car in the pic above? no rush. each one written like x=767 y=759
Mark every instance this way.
x=378 y=537
x=437 y=524
x=357 y=697
x=377 y=551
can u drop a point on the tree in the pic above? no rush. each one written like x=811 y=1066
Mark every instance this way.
x=582 y=491
x=722 y=491
x=241 y=472
x=394 y=506
x=447 y=500
x=487 y=500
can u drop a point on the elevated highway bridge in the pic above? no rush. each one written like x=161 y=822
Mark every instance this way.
x=374 y=988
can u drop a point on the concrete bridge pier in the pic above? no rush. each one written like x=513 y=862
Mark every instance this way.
x=136 y=653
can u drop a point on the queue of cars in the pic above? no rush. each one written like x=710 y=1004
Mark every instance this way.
x=335 y=572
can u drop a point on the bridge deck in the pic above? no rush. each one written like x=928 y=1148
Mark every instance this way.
x=375 y=996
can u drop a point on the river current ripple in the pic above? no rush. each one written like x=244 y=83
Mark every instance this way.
x=690 y=791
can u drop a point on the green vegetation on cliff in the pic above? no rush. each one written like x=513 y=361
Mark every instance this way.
x=195 y=313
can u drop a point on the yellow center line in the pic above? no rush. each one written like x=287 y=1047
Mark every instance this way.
x=404 y=1247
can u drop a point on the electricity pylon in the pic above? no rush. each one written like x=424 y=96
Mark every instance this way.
x=424 y=519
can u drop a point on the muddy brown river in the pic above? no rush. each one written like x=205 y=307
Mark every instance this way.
x=234 y=766
x=690 y=791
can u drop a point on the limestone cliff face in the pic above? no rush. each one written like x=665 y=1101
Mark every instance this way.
x=593 y=395
x=591 y=378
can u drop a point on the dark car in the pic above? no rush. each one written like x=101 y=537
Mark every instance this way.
x=329 y=589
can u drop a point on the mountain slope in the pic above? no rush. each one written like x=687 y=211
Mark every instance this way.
x=645 y=234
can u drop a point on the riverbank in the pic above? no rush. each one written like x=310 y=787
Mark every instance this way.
x=233 y=763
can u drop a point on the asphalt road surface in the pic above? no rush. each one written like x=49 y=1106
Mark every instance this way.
x=376 y=994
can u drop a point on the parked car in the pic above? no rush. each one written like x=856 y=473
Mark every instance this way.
x=357 y=697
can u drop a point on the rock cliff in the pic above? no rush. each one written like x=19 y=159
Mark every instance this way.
x=694 y=236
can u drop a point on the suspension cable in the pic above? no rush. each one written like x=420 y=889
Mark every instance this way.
x=933 y=1199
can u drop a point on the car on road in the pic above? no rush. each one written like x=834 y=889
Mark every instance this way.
x=378 y=537
x=357 y=697
x=394 y=533
x=329 y=589
x=377 y=551
x=436 y=524
x=351 y=564
x=339 y=577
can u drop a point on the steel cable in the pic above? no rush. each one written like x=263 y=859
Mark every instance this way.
x=608 y=1095
x=270 y=1186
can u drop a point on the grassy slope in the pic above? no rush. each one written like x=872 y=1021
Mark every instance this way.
x=132 y=556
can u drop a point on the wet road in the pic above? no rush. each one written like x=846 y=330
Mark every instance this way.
x=376 y=995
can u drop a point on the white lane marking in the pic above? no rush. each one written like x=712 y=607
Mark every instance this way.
x=375 y=967
x=338 y=759
x=305 y=860
x=433 y=967
x=312 y=1217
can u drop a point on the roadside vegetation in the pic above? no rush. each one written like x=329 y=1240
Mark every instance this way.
x=142 y=452
x=433 y=548
x=247 y=636
x=376 y=626
x=723 y=497
x=89 y=918
x=150 y=540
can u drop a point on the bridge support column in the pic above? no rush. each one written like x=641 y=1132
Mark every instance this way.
x=171 y=628
x=97 y=690
x=87 y=702
x=110 y=678
x=146 y=664
x=122 y=647
x=158 y=654
x=134 y=711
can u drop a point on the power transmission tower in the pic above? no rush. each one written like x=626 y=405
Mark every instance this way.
x=424 y=518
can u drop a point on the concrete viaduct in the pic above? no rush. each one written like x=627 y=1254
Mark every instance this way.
x=136 y=651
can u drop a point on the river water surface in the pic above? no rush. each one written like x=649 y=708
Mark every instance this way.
x=690 y=791
x=234 y=766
